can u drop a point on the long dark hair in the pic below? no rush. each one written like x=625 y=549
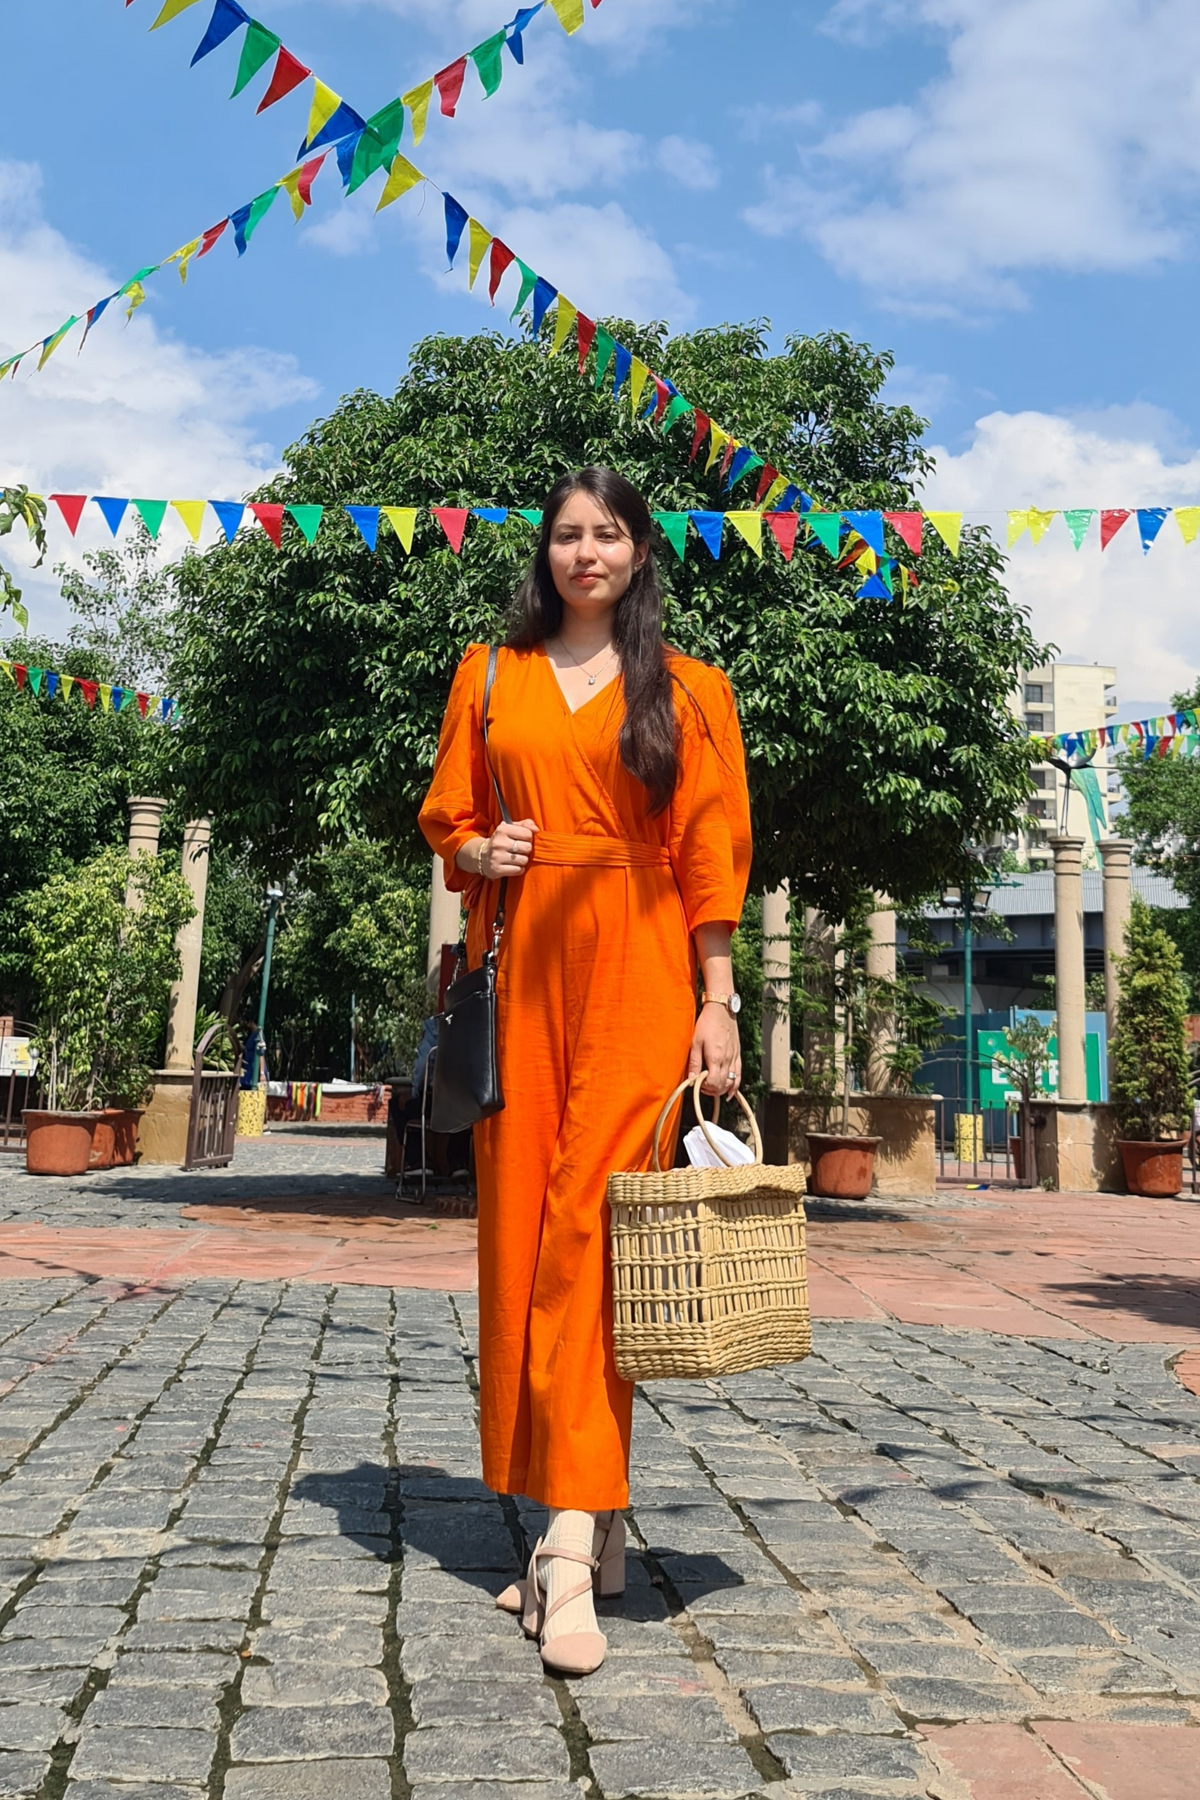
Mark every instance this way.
x=650 y=733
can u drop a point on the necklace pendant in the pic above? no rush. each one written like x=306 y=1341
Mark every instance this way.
x=591 y=681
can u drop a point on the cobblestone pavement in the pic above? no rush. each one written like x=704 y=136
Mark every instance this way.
x=245 y=1553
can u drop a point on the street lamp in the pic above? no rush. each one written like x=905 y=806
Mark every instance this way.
x=972 y=898
x=274 y=896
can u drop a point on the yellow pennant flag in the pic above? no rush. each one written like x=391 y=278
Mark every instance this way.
x=772 y=494
x=868 y=562
x=480 y=240
x=402 y=177
x=1018 y=525
x=570 y=13
x=137 y=297
x=417 y=101
x=564 y=318
x=105 y=697
x=1040 y=523
x=171 y=10
x=291 y=187
x=324 y=104
x=403 y=520
x=1188 y=520
x=639 y=374
x=7 y=667
x=192 y=514
x=52 y=343
x=948 y=526
x=183 y=257
x=66 y=683
x=749 y=526
x=717 y=444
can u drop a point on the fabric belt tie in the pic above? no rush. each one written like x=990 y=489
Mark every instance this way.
x=562 y=851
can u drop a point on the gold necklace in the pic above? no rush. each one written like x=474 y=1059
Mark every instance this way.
x=591 y=679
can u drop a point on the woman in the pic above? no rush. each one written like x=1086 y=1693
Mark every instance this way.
x=621 y=765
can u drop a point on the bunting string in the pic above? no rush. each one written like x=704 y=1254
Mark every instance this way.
x=1171 y=734
x=48 y=683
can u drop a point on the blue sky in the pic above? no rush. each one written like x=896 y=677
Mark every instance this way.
x=1004 y=192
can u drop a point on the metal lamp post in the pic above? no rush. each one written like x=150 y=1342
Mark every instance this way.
x=274 y=896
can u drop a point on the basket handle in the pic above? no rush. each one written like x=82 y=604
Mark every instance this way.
x=716 y=1100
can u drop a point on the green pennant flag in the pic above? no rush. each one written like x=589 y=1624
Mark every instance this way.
x=675 y=411
x=259 y=208
x=604 y=353
x=308 y=518
x=378 y=145
x=1077 y=522
x=528 y=283
x=532 y=514
x=749 y=466
x=35 y=679
x=674 y=527
x=827 y=526
x=260 y=46
x=486 y=57
x=151 y=513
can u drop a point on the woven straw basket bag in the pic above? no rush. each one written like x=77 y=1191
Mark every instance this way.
x=708 y=1265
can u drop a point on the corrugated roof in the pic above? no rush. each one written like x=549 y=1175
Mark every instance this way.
x=1033 y=895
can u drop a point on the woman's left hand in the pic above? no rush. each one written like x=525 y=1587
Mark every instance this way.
x=716 y=1047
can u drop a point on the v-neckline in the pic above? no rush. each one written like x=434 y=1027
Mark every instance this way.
x=573 y=712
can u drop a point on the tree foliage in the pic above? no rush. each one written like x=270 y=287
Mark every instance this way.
x=124 y=602
x=878 y=734
x=19 y=507
x=1162 y=817
x=1150 y=1087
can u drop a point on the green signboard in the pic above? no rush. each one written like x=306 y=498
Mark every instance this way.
x=996 y=1090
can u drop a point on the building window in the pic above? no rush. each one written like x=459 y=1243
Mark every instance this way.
x=1039 y=809
x=1042 y=778
x=1035 y=721
x=1034 y=693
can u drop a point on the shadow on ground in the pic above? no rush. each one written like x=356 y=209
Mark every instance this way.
x=1170 y=1300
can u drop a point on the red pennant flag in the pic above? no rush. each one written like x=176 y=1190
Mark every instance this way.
x=766 y=480
x=307 y=176
x=453 y=521
x=702 y=424
x=210 y=237
x=585 y=331
x=89 y=690
x=271 y=519
x=907 y=525
x=70 y=506
x=143 y=701
x=1110 y=524
x=288 y=75
x=784 y=525
x=19 y=673
x=502 y=256
x=449 y=84
x=664 y=398
x=731 y=450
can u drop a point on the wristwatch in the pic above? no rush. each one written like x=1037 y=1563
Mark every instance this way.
x=731 y=1002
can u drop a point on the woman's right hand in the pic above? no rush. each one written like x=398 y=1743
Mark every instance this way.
x=508 y=851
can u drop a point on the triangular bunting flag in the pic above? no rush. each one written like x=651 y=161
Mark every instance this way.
x=908 y=526
x=246 y=219
x=1150 y=522
x=270 y=517
x=826 y=528
x=638 y=375
x=89 y=690
x=417 y=101
x=401 y=178
x=711 y=526
x=948 y=526
x=35 y=678
x=449 y=84
x=71 y=507
x=543 y=298
x=703 y=422
x=674 y=527
x=151 y=513
x=258 y=48
x=622 y=363
x=1188 y=520
x=564 y=317
x=486 y=57
x=479 y=240
x=308 y=521
x=453 y=521
x=378 y=144
x=51 y=344
x=570 y=13
x=869 y=526
x=183 y=257
x=749 y=526
x=873 y=588
x=717 y=443
x=52 y=681
x=533 y=514
x=1040 y=522
x=784 y=525
x=1018 y=525
x=227 y=18
x=529 y=281
x=456 y=224
x=516 y=42
x=298 y=185
x=585 y=331
x=343 y=122
x=403 y=520
x=230 y=514
x=367 y=520
x=192 y=514
x=171 y=10
x=210 y=237
x=491 y=515
x=324 y=104
x=605 y=345
x=1077 y=520
x=288 y=74
x=502 y=260
x=113 y=511
x=1111 y=521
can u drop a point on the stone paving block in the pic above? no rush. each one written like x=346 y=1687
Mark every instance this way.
x=351 y=1645
x=211 y=1670
x=335 y=1779
x=795 y=1706
x=1092 y=1675
x=950 y=1700
x=186 y=1635
x=191 y=1708
x=751 y=1668
x=45 y=1653
x=496 y=1790
x=467 y=1658
x=277 y=1734
x=138 y=1753
x=439 y=1753
x=709 y=1771
x=21 y=1774
x=468 y=1702
x=133 y=1790
x=620 y=1718
x=312 y=1684
x=817 y=1763
x=30 y=1726
x=1048 y=1630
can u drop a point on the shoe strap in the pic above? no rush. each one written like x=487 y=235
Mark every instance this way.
x=579 y=1556
x=575 y=1593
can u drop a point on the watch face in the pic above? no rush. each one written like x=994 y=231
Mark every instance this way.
x=735 y=1004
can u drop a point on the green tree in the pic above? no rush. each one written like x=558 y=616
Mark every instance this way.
x=1150 y=1087
x=124 y=602
x=878 y=733
x=19 y=507
x=1162 y=817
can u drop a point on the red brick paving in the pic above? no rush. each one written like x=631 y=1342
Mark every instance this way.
x=1129 y=1762
x=1001 y=1762
x=1187 y=1369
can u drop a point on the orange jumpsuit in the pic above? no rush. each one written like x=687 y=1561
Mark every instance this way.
x=597 y=1006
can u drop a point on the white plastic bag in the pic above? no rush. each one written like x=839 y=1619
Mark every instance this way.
x=701 y=1154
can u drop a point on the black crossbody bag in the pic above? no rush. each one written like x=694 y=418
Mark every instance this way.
x=466 y=1071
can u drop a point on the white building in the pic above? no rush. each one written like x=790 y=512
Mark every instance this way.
x=1065 y=696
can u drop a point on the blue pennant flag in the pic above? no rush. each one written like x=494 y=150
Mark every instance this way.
x=367 y=520
x=622 y=363
x=230 y=514
x=347 y=150
x=227 y=18
x=343 y=123
x=456 y=224
x=788 y=499
x=118 y=699
x=166 y=709
x=543 y=298
x=738 y=464
x=114 y=511
x=869 y=526
x=239 y=221
x=1150 y=523
x=710 y=525
x=494 y=515
x=51 y=684
x=873 y=588
x=524 y=17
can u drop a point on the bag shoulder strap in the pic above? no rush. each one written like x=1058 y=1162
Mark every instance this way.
x=489 y=684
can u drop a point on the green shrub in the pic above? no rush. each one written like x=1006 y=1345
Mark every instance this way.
x=1150 y=1087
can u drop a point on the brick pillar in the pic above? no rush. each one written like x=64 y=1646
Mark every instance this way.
x=181 y=1011
x=1068 y=967
x=881 y=965
x=1115 y=855
x=777 y=990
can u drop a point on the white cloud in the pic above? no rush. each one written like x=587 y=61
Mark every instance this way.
x=1064 y=135
x=1118 y=606
x=136 y=414
x=348 y=230
x=693 y=165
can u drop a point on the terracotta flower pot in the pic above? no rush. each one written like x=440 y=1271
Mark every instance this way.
x=58 y=1143
x=842 y=1168
x=1153 y=1169
x=115 y=1138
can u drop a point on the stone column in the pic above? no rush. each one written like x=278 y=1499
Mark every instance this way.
x=881 y=966
x=445 y=916
x=1068 y=967
x=181 y=1013
x=777 y=990
x=1114 y=854
x=145 y=823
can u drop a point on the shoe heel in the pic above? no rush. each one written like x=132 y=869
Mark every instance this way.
x=610 y=1576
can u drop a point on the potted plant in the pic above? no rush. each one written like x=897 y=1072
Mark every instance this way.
x=102 y=942
x=1150 y=1089
x=1025 y=1062
x=841 y=1162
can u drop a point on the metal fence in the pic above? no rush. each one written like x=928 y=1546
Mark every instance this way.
x=975 y=1144
x=17 y=1090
